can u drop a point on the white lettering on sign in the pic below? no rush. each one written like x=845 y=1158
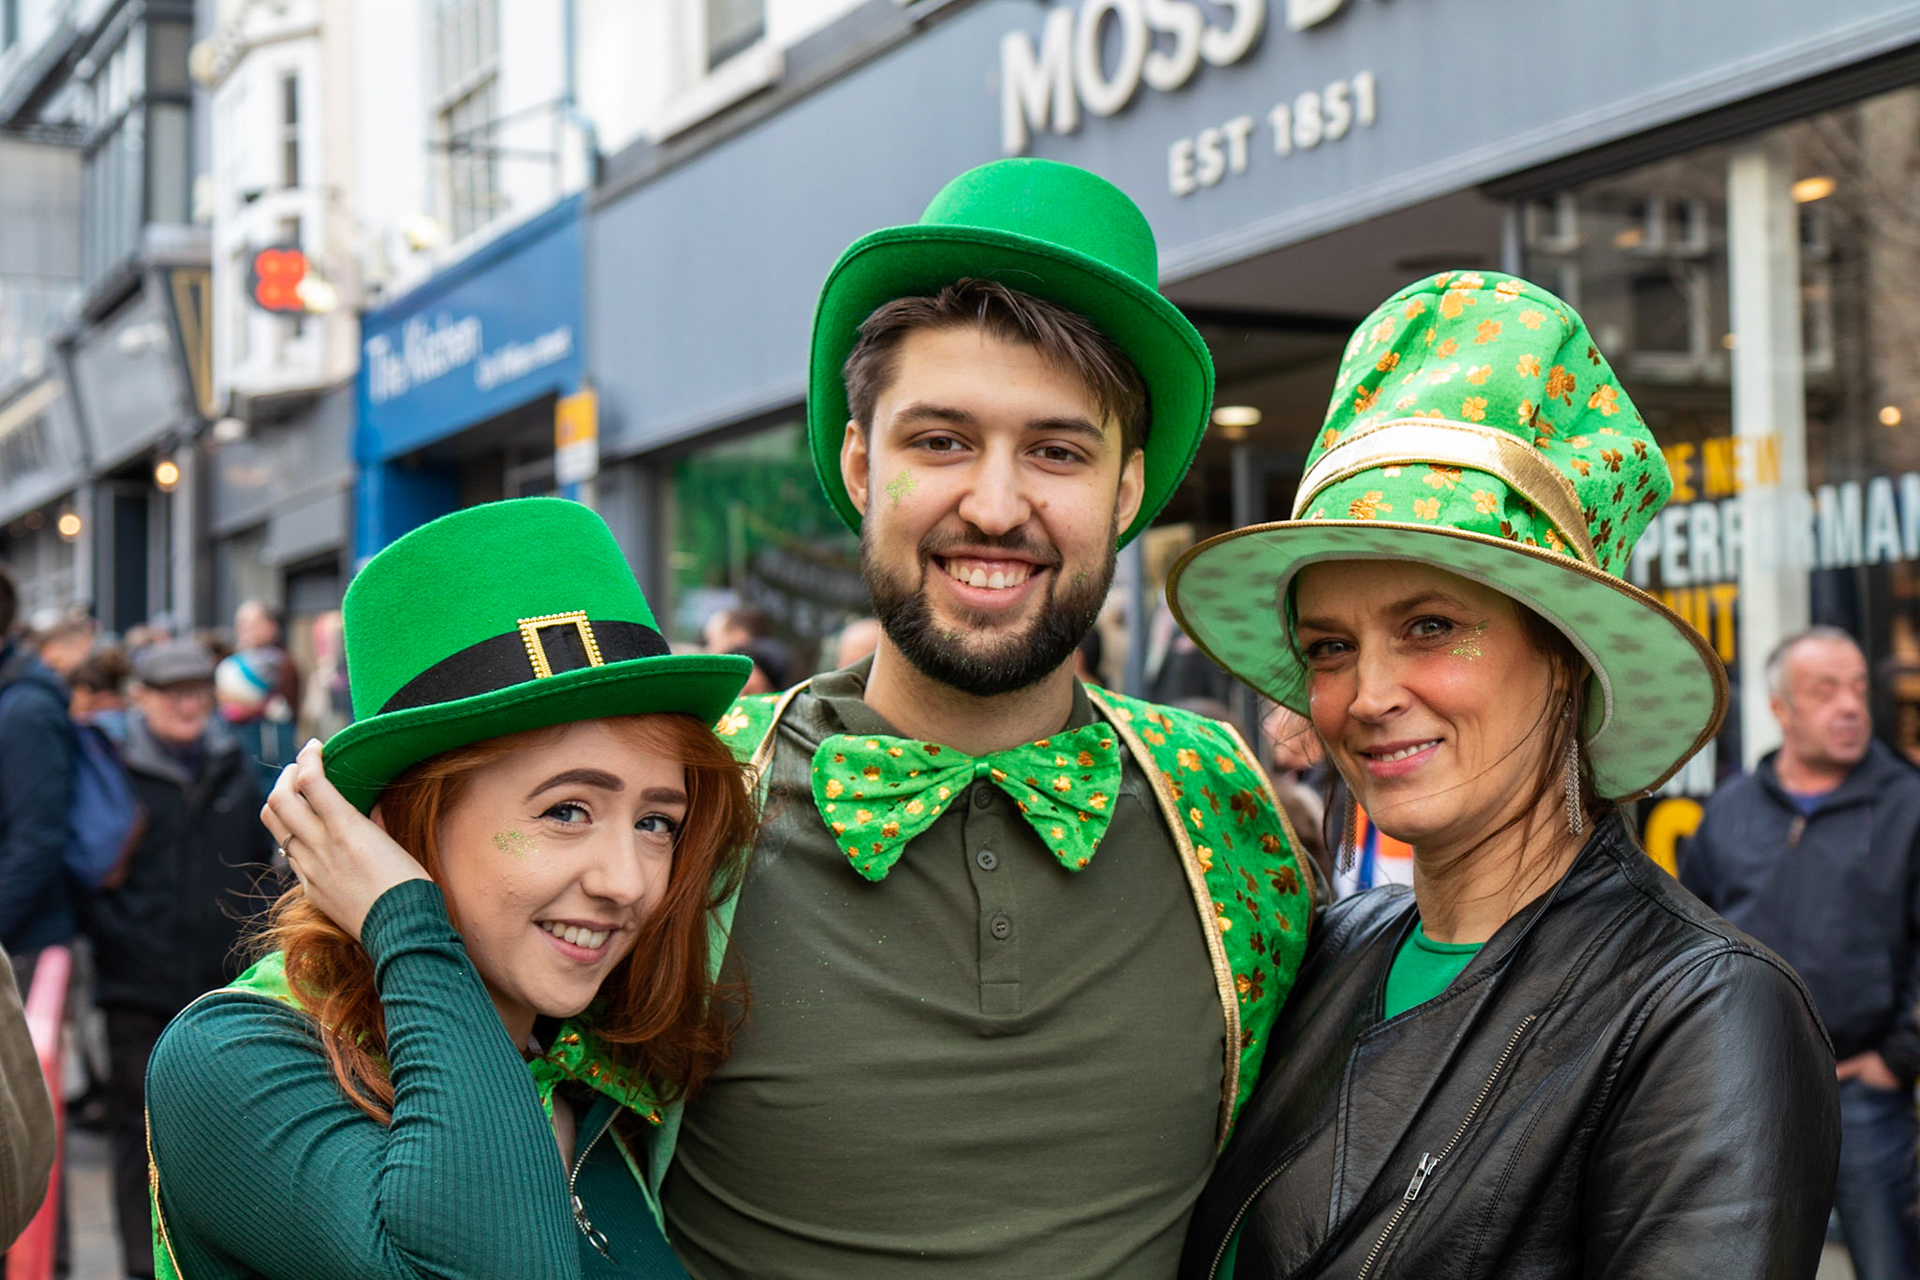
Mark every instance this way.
x=426 y=352
x=1299 y=124
x=1044 y=87
x=1837 y=526
x=518 y=359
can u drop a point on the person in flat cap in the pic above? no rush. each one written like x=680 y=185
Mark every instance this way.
x=167 y=920
x=491 y=976
x=1545 y=1058
x=1016 y=943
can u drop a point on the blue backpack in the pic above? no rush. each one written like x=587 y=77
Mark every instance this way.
x=103 y=817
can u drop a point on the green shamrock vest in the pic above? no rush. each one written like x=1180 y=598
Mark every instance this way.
x=1252 y=890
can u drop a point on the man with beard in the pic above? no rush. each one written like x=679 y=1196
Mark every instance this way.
x=1013 y=944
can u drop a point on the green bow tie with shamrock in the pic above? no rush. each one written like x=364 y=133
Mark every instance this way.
x=877 y=793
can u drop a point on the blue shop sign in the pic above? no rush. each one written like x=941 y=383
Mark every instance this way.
x=496 y=330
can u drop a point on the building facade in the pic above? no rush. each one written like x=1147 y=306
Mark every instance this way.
x=573 y=246
x=1726 y=201
x=105 y=304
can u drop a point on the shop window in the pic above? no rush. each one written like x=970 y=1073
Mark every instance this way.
x=290 y=131
x=139 y=162
x=732 y=27
x=466 y=111
x=721 y=56
x=750 y=525
x=1646 y=251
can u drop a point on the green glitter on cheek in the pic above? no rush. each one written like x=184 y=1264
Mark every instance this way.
x=1080 y=578
x=900 y=486
x=1469 y=646
x=514 y=844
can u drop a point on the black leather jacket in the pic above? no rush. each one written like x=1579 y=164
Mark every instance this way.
x=1619 y=1084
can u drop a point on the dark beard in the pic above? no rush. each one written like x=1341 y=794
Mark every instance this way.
x=1066 y=615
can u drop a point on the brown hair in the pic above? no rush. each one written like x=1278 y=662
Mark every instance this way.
x=1064 y=338
x=658 y=1012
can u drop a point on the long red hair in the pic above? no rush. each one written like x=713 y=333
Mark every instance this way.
x=657 y=1012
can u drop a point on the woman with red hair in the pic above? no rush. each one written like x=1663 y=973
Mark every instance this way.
x=492 y=977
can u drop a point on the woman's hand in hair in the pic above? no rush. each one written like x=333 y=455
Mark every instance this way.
x=344 y=859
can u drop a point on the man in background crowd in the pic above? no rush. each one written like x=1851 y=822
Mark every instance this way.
x=1813 y=853
x=166 y=932
x=858 y=638
x=99 y=692
x=64 y=643
x=730 y=630
x=36 y=785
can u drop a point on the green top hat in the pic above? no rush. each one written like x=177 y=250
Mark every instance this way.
x=1043 y=228
x=1476 y=427
x=503 y=617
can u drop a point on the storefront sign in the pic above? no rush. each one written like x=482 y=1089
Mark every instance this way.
x=497 y=330
x=1161 y=44
x=1298 y=124
x=576 y=438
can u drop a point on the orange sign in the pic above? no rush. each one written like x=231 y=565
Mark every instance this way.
x=275 y=276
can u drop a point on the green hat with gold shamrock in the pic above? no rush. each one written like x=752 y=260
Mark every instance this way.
x=1476 y=427
x=1051 y=230
x=498 y=618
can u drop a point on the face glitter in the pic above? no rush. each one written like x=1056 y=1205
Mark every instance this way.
x=515 y=843
x=900 y=486
x=1469 y=646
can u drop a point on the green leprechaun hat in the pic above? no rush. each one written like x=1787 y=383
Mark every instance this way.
x=1476 y=427
x=498 y=618
x=1043 y=228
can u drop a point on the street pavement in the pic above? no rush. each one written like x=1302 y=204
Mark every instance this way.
x=96 y=1251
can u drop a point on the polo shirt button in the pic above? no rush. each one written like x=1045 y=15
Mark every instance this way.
x=986 y=859
x=1001 y=926
x=982 y=796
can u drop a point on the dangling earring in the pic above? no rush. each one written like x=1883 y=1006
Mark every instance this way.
x=1576 y=816
x=1348 y=849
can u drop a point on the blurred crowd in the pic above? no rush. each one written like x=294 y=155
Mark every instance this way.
x=132 y=772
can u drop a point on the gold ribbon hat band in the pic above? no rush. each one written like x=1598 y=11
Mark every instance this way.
x=1443 y=442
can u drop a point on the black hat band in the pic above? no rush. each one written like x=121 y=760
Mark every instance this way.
x=540 y=647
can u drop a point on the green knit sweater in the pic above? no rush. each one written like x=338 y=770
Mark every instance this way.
x=267 y=1171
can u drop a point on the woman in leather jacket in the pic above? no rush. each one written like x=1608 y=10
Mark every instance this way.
x=1546 y=1059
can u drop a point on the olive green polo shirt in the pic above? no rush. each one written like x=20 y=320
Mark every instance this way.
x=984 y=1064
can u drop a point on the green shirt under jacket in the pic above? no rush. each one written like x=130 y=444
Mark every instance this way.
x=265 y=1170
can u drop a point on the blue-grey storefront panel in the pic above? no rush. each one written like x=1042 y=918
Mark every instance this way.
x=703 y=281
x=704 y=277
x=1465 y=91
x=496 y=330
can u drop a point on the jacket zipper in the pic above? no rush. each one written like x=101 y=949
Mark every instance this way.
x=1429 y=1162
x=580 y=1218
x=1234 y=1226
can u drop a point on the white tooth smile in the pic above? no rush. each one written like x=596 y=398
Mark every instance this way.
x=975 y=575
x=591 y=939
x=1404 y=752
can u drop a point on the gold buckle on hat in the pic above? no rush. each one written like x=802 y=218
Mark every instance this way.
x=537 y=649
